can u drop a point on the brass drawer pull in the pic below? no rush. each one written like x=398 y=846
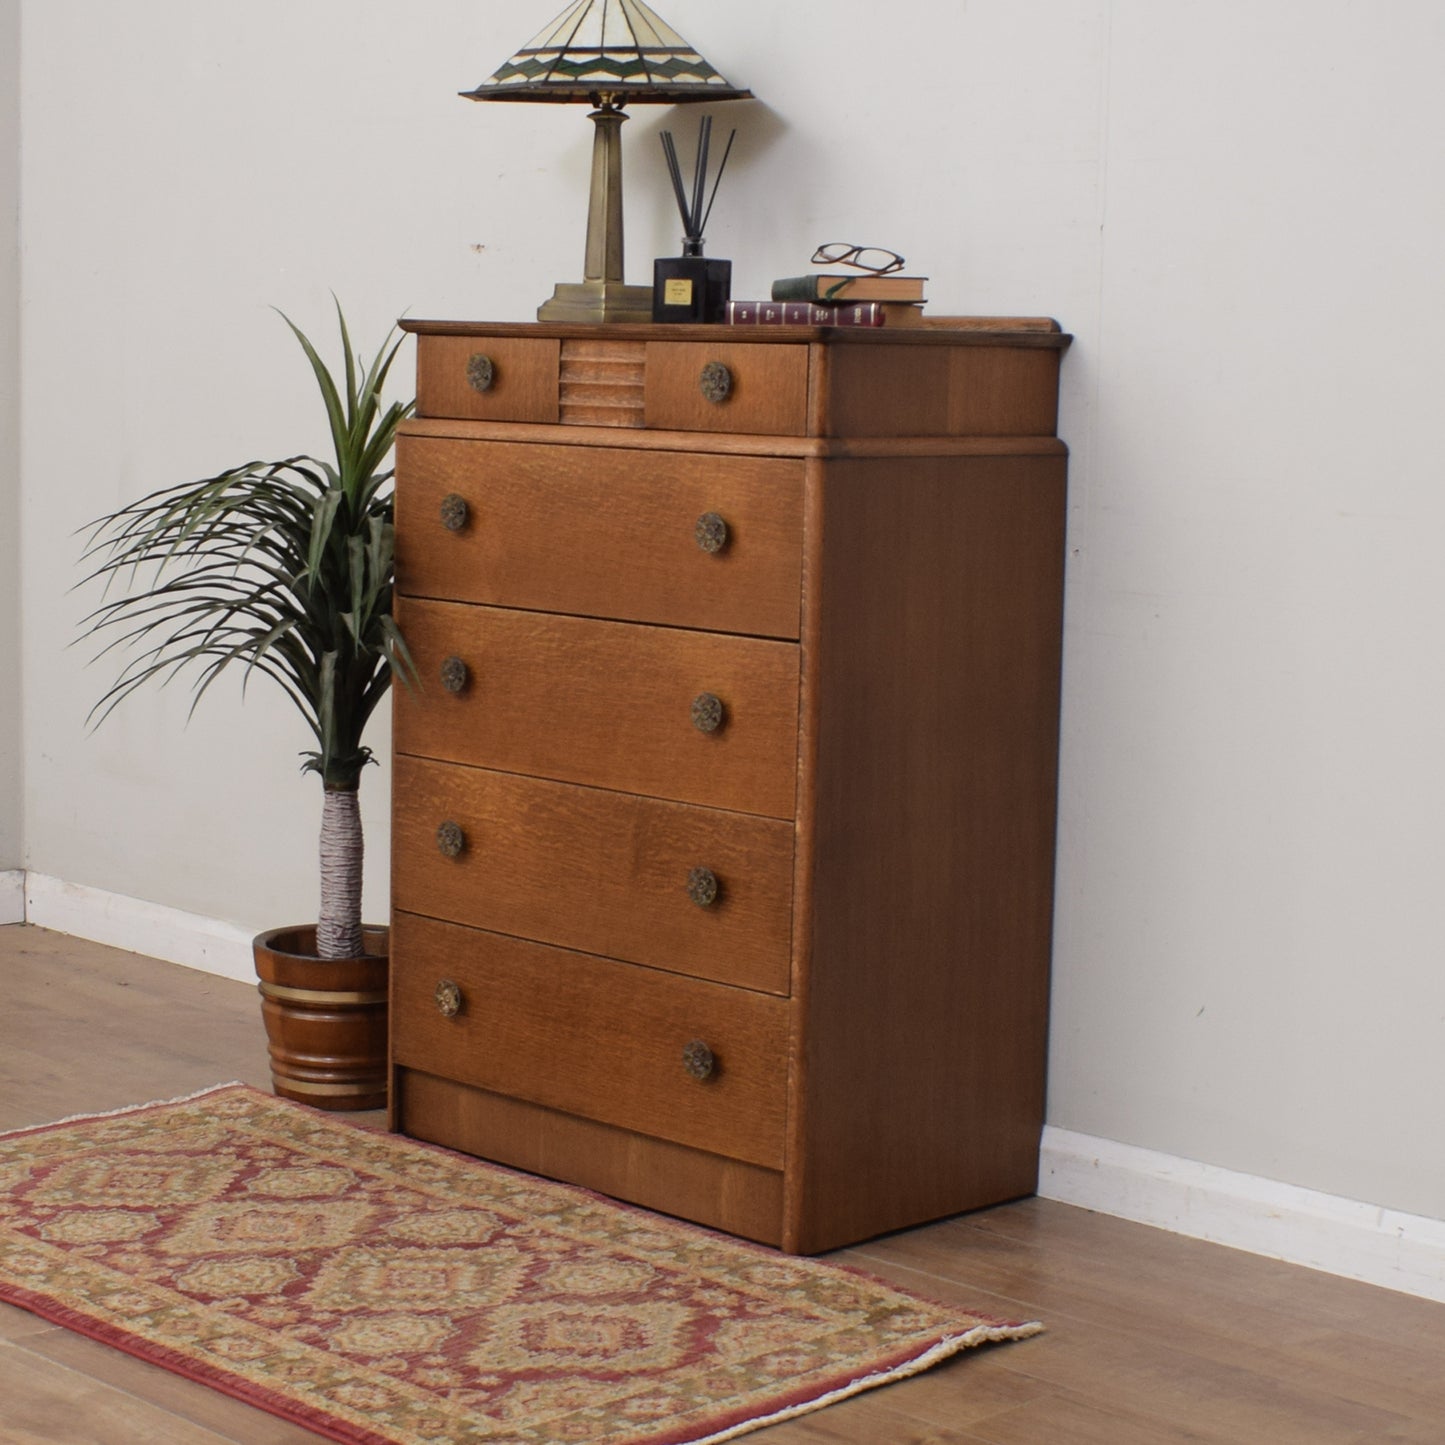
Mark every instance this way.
x=702 y=887
x=450 y=839
x=715 y=382
x=711 y=532
x=454 y=674
x=698 y=1060
x=481 y=371
x=454 y=512
x=448 y=998
x=708 y=713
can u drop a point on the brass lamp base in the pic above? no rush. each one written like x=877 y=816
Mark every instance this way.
x=597 y=301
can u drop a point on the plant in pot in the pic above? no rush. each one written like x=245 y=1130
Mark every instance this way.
x=286 y=569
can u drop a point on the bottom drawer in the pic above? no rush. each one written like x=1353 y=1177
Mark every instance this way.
x=592 y=1037
x=725 y=1194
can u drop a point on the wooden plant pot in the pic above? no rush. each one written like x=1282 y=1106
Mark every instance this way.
x=325 y=1018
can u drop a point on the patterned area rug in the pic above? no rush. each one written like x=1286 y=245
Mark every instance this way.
x=384 y=1292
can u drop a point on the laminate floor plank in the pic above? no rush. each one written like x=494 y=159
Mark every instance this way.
x=975 y=1385
x=1065 y=1417
x=1213 y=1321
x=864 y=1418
x=88 y=1028
x=1249 y=1278
x=45 y=1404
x=1151 y=1338
x=1162 y=1349
x=18 y=1325
x=1413 y=1432
x=1137 y=1379
x=195 y=1404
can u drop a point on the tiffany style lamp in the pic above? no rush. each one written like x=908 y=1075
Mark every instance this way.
x=606 y=52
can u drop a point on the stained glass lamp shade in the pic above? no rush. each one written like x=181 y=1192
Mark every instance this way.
x=605 y=52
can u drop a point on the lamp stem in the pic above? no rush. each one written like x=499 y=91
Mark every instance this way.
x=604 y=208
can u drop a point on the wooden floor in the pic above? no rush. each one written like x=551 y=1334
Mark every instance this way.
x=1150 y=1339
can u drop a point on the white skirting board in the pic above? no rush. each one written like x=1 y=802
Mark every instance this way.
x=12 y=895
x=139 y=927
x=1300 y=1226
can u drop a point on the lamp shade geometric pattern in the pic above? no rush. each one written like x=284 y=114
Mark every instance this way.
x=614 y=48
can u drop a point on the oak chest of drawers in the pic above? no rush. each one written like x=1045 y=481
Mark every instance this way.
x=723 y=813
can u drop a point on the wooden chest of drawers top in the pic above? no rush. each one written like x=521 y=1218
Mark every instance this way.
x=790 y=381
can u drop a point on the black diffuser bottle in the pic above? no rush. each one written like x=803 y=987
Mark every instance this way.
x=692 y=287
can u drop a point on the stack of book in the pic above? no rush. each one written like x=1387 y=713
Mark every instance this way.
x=833 y=300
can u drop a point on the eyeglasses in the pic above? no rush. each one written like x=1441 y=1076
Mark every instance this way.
x=866 y=258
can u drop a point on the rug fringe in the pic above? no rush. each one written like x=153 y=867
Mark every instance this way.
x=950 y=1345
x=117 y=1113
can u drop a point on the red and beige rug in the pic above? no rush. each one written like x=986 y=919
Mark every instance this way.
x=383 y=1292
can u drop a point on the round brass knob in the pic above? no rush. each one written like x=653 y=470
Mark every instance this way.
x=454 y=674
x=448 y=998
x=450 y=839
x=711 y=532
x=715 y=382
x=708 y=713
x=454 y=512
x=698 y=1060
x=702 y=887
x=481 y=371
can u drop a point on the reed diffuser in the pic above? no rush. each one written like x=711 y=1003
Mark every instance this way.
x=692 y=287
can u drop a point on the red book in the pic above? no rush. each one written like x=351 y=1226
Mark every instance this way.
x=805 y=313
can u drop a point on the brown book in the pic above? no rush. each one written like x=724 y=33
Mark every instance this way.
x=826 y=287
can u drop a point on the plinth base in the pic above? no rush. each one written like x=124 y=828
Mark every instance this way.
x=597 y=301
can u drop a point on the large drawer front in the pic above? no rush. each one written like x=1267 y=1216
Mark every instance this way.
x=593 y=1037
x=594 y=870
x=726 y=386
x=603 y=532
x=609 y=704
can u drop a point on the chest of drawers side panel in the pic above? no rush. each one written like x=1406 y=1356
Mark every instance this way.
x=954 y=391
x=932 y=647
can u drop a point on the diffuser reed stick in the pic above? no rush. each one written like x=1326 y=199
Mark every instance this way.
x=694 y=215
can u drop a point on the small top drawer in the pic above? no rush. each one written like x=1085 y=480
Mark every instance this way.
x=727 y=387
x=488 y=378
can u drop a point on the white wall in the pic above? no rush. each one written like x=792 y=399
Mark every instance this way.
x=1236 y=208
x=11 y=854
x=1249 y=955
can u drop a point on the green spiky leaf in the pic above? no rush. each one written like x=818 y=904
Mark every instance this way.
x=283 y=567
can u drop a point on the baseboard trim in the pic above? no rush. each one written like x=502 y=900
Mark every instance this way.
x=1283 y=1221
x=139 y=927
x=12 y=895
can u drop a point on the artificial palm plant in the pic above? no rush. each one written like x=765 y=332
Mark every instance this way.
x=286 y=568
